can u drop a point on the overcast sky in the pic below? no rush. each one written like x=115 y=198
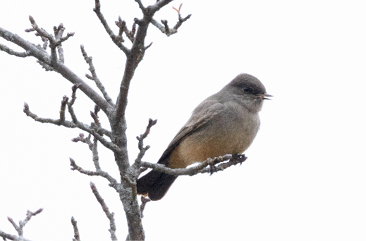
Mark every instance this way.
x=305 y=175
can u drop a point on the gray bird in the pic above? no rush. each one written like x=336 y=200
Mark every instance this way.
x=224 y=123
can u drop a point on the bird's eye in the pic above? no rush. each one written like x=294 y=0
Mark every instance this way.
x=247 y=90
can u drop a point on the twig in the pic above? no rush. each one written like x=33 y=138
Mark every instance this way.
x=13 y=52
x=6 y=236
x=73 y=95
x=54 y=42
x=114 y=38
x=141 y=6
x=105 y=208
x=76 y=230
x=81 y=138
x=141 y=141
x=200 y=168
x=21 y=226
x=39 y=53
x=72 y=102
x=63 y=107
x=165 y=28
x=95 y=154
x=70 y=124
x=144 y=201
x=58 y=31
x=131 y=34
x=94 y=77
x=121 y=25
x=112 y=181
x=95 y=117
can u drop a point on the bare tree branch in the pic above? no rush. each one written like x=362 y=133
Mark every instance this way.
x=141 y=143
x=136 y=54
x=141 y=6
x=19 y=228
x=58 y=31
x=105 y=208
x=165 y=28
x=95 y=155
x=41 y=55
x=63 y=107
x=11 y=237
x=89 y=61
x=13 y=52
x=200 y=168
x=82 y=139
x=112 y=181
x=144 y=201
x=124 y=29
x=76 y=230
x=54 y=42
x=114 y=38
x=70 y=124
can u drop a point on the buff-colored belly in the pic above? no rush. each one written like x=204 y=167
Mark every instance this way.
x=200 y=146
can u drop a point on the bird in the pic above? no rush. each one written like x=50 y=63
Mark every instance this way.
x=224 y=123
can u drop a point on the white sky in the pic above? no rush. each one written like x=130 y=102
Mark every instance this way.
x=305 y=175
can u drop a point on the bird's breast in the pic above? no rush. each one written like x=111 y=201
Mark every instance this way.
x=230 y=133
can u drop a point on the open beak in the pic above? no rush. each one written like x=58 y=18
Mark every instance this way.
x=265 y=96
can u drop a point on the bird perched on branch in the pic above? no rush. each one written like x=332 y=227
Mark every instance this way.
x=224 y=123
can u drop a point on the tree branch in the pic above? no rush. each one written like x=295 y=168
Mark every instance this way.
x=54 y=42
x=41 y=55
x=89 y=61
x=70 y=124
x=136 y=54
x=123 y=29
x=113 y=182
x=144 y=201
x=200 y=168
x=13 y=52
x=19 y=228
x=114 y=38
x=170 y=31
x=76 y=230
x=141 y=143
x=105 y=208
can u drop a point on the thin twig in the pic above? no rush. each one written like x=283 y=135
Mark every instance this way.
x=101 y=173
x=141 y=140
x=82 y=139
x=144 y=201
x=105 y=208
x=69 y=124
x=58 y=31
x=95 y=154
x=19 y=228
x=165 y=28
x=76 y=230
x=13 y=52
x=55 y=42
x=200 y=168
x=114 y=38
x=63 y=108
x=94 y=77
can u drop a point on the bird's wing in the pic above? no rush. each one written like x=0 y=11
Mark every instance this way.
x=200 y=117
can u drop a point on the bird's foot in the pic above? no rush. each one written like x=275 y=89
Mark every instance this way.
x=213 y=168
x=239 y=158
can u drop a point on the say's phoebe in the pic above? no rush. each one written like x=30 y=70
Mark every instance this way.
x=224 y=123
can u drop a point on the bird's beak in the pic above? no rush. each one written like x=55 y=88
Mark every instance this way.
x=265 y=96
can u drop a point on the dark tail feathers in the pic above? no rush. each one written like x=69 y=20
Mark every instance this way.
x=155 y=184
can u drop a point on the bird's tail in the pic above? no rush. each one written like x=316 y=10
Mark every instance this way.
x=155 y=184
